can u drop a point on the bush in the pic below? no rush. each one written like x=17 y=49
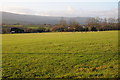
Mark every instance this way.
x=5 y=30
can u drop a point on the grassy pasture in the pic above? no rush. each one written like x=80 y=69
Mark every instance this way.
x=60 y=55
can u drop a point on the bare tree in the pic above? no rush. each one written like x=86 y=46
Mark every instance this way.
x=90 y=23
x=74 y=25
x=62 y=22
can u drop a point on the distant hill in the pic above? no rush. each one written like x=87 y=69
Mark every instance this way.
x=12 y=18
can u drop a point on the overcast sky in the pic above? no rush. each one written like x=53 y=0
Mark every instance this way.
x=63 y=8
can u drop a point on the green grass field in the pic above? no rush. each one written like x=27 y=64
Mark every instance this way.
x=60 y=55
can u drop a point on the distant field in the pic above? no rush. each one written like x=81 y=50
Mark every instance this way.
x=61 y=55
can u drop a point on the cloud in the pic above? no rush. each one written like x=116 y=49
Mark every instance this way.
x=19 y=10
x=72 y=12
x=69 y=11
x=107 y=13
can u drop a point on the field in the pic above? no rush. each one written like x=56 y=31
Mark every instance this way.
x=60 y=55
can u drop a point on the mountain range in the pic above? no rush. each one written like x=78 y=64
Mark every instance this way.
x=13 y=18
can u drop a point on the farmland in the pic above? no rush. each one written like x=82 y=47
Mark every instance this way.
x=60 y=55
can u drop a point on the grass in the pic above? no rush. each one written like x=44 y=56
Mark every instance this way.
x=60 y=55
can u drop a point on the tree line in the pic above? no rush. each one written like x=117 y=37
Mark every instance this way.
x=92 y=24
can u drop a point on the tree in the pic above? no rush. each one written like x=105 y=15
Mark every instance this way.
x=62 y=22
x=60 y=27
x=74 y=25
x=90 y=23
x=94 y=23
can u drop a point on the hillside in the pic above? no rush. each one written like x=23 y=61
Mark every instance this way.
x=12 y=18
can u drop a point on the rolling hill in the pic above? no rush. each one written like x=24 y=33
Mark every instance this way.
x=12 y=18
